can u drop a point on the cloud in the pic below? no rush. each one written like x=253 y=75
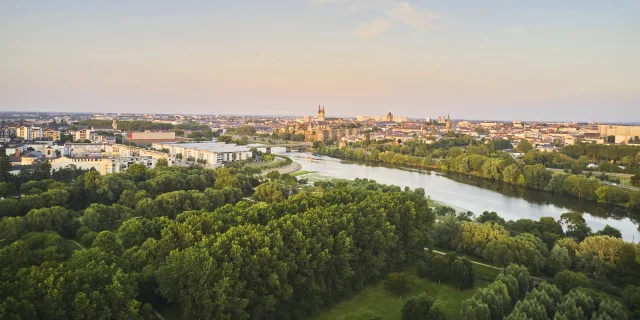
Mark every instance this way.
x=401 y=12
x=407 y=14
x=369 y=30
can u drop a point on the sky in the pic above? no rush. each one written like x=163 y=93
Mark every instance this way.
x=492 y=59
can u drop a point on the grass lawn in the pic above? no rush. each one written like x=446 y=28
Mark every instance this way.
x=300 y=172
x=373 y=300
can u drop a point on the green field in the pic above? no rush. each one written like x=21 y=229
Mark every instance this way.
x=374 y=300
x=301 y=172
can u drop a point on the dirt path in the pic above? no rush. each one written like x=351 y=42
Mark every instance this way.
x=79 y=245
x=157 y=314
x=484 y=264
x=474 y=262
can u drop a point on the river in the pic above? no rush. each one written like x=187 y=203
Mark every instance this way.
x=476 y=194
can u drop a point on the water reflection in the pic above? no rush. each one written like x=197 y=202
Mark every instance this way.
x=477 y=194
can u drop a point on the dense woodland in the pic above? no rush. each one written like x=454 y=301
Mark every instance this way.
x=188 y=236
x=183 y=235
x=462 y=154
x=578 y=262
x=141 y=125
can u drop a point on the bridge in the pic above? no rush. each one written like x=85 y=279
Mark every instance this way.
x=288 y=146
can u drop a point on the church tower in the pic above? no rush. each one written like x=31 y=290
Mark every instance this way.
x=448 y=122
x=389 y=117
x=320 y=113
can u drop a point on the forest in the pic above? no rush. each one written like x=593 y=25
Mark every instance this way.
x=185 y=235
x=227 y=244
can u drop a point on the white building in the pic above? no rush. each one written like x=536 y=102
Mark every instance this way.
x=29 y=133
x=214 y=153
x=103 y=165
x=84 y=134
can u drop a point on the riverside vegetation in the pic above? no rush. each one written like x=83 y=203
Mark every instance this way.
x=186 y=236
x=463 y=154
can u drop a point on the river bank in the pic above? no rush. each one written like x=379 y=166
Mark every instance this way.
x=468 y=193
x=507 y=171
x=290 y=168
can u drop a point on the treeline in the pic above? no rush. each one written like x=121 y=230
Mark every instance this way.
x=242 y=130
x=509 y=297
x=201 y=248
x=542 y=246
x=141 y=125
x=598 y=152
x=577 y=258
x=90 y=187
x=499 y=166
x=448 y=268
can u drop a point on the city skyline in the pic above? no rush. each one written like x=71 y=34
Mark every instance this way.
x=500 y=60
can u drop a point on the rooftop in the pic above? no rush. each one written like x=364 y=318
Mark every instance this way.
x=209 y=146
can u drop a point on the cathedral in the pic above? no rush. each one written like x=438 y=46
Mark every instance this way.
x=323 y=129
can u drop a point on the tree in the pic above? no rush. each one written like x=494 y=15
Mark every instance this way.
x=635 y=179
x=611 y=309
x=474 y=309
x=224 y=178
x=273 y=175
x=524 y=146
x=599 y=256
x=525 y=249
x=559 y=260
x=631 y=297
x=269 y=192
x=576 y=305
x=490 y=217
x=418 y=307
x=396 y=283
x=610 y=231
x=5 y=165
x=462 y=274
x=437 y=267
x=575 y=225
x=445 y=232
x=162 y=162
x=521 y=274
x=566 y=280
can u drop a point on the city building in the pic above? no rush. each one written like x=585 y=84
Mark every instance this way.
x=622 y=134
x=322 y=130
x=53 y=135
x=150 y=137
x=29 y=133
x=320 y=113
x=84 y=134
x=103 y=165
x=212 y=154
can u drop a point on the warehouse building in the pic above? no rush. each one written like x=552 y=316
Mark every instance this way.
x=211 y=154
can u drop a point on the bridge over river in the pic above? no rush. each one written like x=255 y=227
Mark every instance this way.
x=288 y=146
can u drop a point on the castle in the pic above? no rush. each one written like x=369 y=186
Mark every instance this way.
x=323 y=129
